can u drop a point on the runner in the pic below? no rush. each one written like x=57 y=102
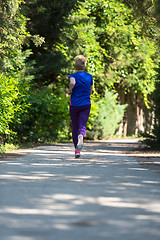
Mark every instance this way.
x=80 y=89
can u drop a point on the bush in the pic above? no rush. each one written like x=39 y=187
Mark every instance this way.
x=8 y=95
x=106 y=115
x=47 y=114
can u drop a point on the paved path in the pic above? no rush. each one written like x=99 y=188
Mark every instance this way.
x=47 y=194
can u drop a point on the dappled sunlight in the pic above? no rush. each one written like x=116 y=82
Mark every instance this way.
x=102 y=192
x=21 y=211
x=20 y=238
x=69 y=207
x=138 y=169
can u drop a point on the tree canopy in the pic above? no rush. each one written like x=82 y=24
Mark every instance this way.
x=119 y=53
x=38 y=43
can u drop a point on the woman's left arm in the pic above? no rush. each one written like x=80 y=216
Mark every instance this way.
x=71 y=85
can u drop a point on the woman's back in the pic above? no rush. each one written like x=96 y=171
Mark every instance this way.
x=81 y=91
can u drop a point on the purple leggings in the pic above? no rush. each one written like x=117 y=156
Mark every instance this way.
x=79 y=116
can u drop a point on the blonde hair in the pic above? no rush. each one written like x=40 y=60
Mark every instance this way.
x=80 y=62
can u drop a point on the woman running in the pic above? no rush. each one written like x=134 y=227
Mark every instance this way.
x=80 y=89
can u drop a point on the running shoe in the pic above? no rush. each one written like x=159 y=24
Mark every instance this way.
x=80 y=142
x=77 y=154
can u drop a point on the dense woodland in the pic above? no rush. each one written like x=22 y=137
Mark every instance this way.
x=39 y=40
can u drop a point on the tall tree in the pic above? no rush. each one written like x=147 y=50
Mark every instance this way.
x=147 y=13
x=47 y=18
x=120 y=53
x=12 y=37
x=14 y=74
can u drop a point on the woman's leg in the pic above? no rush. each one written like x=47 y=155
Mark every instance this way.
x=75 y=124
x=83 y=118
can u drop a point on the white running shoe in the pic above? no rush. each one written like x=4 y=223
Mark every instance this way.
x=80 y=142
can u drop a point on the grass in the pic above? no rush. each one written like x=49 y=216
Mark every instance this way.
x=8 y=147
x=11 y=147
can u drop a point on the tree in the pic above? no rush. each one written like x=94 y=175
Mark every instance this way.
x=8 y=94
x=13 y=34
x=148 y=12
x=15 y=75
x=47 y=20
x=154 y=138
x=114 y=43
x=120 y=54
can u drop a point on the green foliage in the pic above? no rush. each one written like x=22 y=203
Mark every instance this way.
x=153 y=139
x=80 y=38
x=143 y=11
x=13 y=35
x=119 y=53
x=7 y=147
x=46 y=21
x=15 y=73
x=129 y=62
x=156 y=11
x=47 y=115
x=13 y=95
x=106 y=116
x=8 y=94
x=140 y=8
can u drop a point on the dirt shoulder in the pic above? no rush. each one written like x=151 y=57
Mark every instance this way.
x=135 y=148
x=149 y=159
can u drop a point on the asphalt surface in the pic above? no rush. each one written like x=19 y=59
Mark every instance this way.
x=47 y=194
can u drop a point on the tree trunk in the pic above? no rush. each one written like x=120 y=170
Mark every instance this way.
x=137 y=118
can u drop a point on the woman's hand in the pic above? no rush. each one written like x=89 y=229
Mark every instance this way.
x=69 y=92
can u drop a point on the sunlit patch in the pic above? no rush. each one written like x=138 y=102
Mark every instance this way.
x=138 y=169
x=20 y=238
x=49 y=212
x=50 y=190
x=147 y=217
x=116 y=202
x=22 y=177
x=151 y=182
x=130 y=184
x=62 y=226
x=63 y=196
x=14 y=163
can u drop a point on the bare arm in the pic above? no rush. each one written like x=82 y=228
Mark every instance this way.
x=71 y=85
x=91 y=89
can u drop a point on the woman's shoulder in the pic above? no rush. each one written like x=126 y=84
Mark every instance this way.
x=81 y=73
x=72 y=75
x=89 y=74
x=86 y=74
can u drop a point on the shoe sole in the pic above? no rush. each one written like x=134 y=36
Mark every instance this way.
x=79 y=147
x=80 y=143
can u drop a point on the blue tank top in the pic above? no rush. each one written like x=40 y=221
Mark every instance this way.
x=81 y=92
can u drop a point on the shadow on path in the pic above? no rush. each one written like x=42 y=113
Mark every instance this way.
x=48 y=194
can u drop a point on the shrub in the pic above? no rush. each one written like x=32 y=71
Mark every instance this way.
x=106 y=115
x=8 y=94
x=47 y=115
